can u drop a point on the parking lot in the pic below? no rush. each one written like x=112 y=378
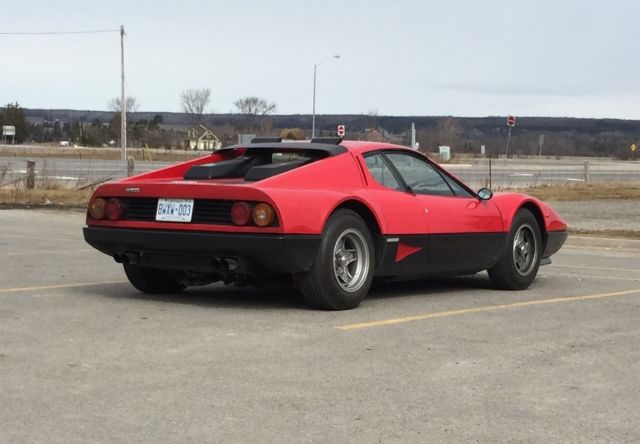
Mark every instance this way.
x=85 y=358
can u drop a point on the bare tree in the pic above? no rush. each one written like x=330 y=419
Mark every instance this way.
x=449 y=132
x=194 y=102
x=255 y=110
x=131 y=104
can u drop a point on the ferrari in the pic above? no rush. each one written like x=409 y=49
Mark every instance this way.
x=329 y=215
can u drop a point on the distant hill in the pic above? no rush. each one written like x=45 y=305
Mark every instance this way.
x=357 y=122
x=560 y=135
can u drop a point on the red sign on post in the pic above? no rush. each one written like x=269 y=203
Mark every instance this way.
x=341 y=130
x=511 y=120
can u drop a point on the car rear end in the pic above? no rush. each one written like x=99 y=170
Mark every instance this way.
x=209 y=219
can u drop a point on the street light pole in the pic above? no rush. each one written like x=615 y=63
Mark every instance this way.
x=123 y=100
x=313 y=116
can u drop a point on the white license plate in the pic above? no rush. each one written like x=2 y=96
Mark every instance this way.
x=174 y=210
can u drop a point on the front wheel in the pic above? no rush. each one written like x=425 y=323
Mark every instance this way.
x=152 y=280
x=520 y=260
x=343 y=268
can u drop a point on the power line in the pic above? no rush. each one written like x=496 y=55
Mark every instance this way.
x=97 y=31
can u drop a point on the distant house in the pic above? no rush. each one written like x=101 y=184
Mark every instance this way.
x=202 y=138
x=374 y=135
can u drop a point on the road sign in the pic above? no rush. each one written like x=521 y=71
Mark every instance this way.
x=8 y=130
x=633 y=147
x=511 y=120
x=341 y=130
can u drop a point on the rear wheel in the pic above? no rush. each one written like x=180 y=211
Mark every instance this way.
x=152 y=280
x=343 y=268
x=520 y=259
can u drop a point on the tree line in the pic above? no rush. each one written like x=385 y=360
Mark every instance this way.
x=562 y=136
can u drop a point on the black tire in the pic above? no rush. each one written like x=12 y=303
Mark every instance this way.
x=342 y=272
x=152 y=280
x=520 y=260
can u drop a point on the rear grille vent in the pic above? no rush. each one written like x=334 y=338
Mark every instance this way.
x=205 y=211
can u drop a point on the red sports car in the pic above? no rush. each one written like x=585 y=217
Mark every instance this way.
x=329 y=213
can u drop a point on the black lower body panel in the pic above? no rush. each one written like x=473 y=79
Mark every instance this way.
x=439 y=254
x=555 y=241
x=248 y=254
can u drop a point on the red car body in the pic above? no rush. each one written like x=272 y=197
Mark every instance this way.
x=412 y=233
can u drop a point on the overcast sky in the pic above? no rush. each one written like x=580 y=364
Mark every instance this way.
x=403 y=57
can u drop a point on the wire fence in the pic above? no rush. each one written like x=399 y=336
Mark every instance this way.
x=50 y=173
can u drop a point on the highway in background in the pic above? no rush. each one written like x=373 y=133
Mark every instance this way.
x=477 y=173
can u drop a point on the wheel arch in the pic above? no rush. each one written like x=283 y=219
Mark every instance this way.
x=537 y=213
x=369 y=217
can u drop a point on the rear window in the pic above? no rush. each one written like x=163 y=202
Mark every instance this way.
x=255 y=164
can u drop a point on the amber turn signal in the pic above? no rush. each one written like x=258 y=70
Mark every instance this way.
x=97 y=208
x=263 y=215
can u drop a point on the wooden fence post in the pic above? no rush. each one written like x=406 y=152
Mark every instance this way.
x=31 y=174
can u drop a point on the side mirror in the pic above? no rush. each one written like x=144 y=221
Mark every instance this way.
x=485 y=193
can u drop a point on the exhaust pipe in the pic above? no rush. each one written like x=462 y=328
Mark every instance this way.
x=127 y=258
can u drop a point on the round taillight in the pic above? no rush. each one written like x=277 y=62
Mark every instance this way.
x=263 y=215
x=114 y=209
x=240 y=213
x=96 y=208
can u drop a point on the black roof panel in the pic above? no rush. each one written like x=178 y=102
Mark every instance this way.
x=332 y=150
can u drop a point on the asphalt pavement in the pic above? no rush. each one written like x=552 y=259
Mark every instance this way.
x=86 y=358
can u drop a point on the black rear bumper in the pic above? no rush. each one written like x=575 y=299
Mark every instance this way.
x=244 y=254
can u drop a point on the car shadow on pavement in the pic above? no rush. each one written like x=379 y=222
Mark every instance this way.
x=220 y=296
x=278 y=297
x=427 y=287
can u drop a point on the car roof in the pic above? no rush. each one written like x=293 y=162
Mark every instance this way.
x=354 y=146
x=363 y=146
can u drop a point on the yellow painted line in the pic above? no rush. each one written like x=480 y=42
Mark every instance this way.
x=594 y=268
x=464 y=311
x=590 y=276
x=55 y=287
x=609 y=249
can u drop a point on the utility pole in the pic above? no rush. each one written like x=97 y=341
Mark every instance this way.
x=123 y=104
x=313 y=116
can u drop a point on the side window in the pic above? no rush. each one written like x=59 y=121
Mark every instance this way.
x=457 y=189
x=381 y=172
x=419 y=175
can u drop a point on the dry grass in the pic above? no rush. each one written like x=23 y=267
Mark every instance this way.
x=579 y=192
x=56 y=198
x=622 y=234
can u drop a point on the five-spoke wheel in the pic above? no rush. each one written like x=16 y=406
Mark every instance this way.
x=343 y=268
x=519 y=262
